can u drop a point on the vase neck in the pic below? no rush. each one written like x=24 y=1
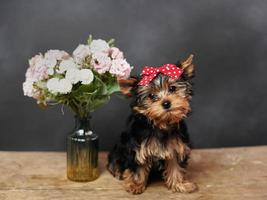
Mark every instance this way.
x=83 y=123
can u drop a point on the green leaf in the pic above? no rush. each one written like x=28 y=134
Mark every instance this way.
x=41 y=84
x=85 y=89
x=114 y=87
x=101 y=86
x=97 y=102
x=111 y=42
x=90 y=39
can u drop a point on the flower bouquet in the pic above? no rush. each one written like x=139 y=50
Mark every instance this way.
x=83 y=81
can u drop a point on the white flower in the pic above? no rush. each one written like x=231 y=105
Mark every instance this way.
x=65 y=86
x=73 y=75
x=99 y=45
x=86 y=76
x=53 y=85
x=56 y=54
x=66 y=65
x=50 y=71
x=50 y=64
x=29 y=90
x=81 y=52
x=62 y=86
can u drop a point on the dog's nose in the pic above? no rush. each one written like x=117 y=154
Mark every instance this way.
x=166 y=104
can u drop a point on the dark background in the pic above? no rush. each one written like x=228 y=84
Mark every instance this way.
x=228 y=38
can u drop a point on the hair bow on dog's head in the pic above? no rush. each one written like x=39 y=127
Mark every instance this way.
x=149 y=73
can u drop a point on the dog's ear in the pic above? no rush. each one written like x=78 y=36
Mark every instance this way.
x=127 y=86
x=188 y=67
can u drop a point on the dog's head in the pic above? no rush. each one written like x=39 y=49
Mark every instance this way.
x=164 y=99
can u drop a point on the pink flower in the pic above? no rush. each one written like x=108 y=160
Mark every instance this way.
x=37 y=74
x=80 y=53
x=101 y=62
x=120 y=68
x=115 y=53
x=38 y=69
x=33 y=75
x=35 y=60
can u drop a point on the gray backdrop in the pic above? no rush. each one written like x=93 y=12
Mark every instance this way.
x=228 y=38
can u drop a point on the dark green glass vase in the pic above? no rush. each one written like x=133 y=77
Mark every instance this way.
x=82 y=152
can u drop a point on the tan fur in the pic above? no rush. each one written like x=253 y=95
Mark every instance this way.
x=180 y=149
x=149 y=148
x=135 y=183
x=126 y=85
x=174 y=178
x=153 y=148
x=172 y=152
x=188 y=66
x=173 y=173
x=162 y=118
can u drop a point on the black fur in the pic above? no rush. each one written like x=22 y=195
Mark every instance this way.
x=139 y=129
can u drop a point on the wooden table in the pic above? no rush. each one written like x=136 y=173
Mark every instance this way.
x=229 y=173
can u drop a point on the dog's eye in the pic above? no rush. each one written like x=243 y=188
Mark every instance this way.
x=152 y=96
x=172 y=89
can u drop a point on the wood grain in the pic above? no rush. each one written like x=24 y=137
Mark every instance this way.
x=230 y=173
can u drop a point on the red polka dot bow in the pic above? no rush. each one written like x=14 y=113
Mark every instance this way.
x=149 y=73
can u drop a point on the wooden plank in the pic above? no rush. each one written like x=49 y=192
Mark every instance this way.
x=230 y=173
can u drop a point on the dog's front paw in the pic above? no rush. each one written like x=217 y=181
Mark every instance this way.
x=135 y=188
x=185 y=187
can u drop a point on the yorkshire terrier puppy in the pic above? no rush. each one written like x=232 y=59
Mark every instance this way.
x=157 y=136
